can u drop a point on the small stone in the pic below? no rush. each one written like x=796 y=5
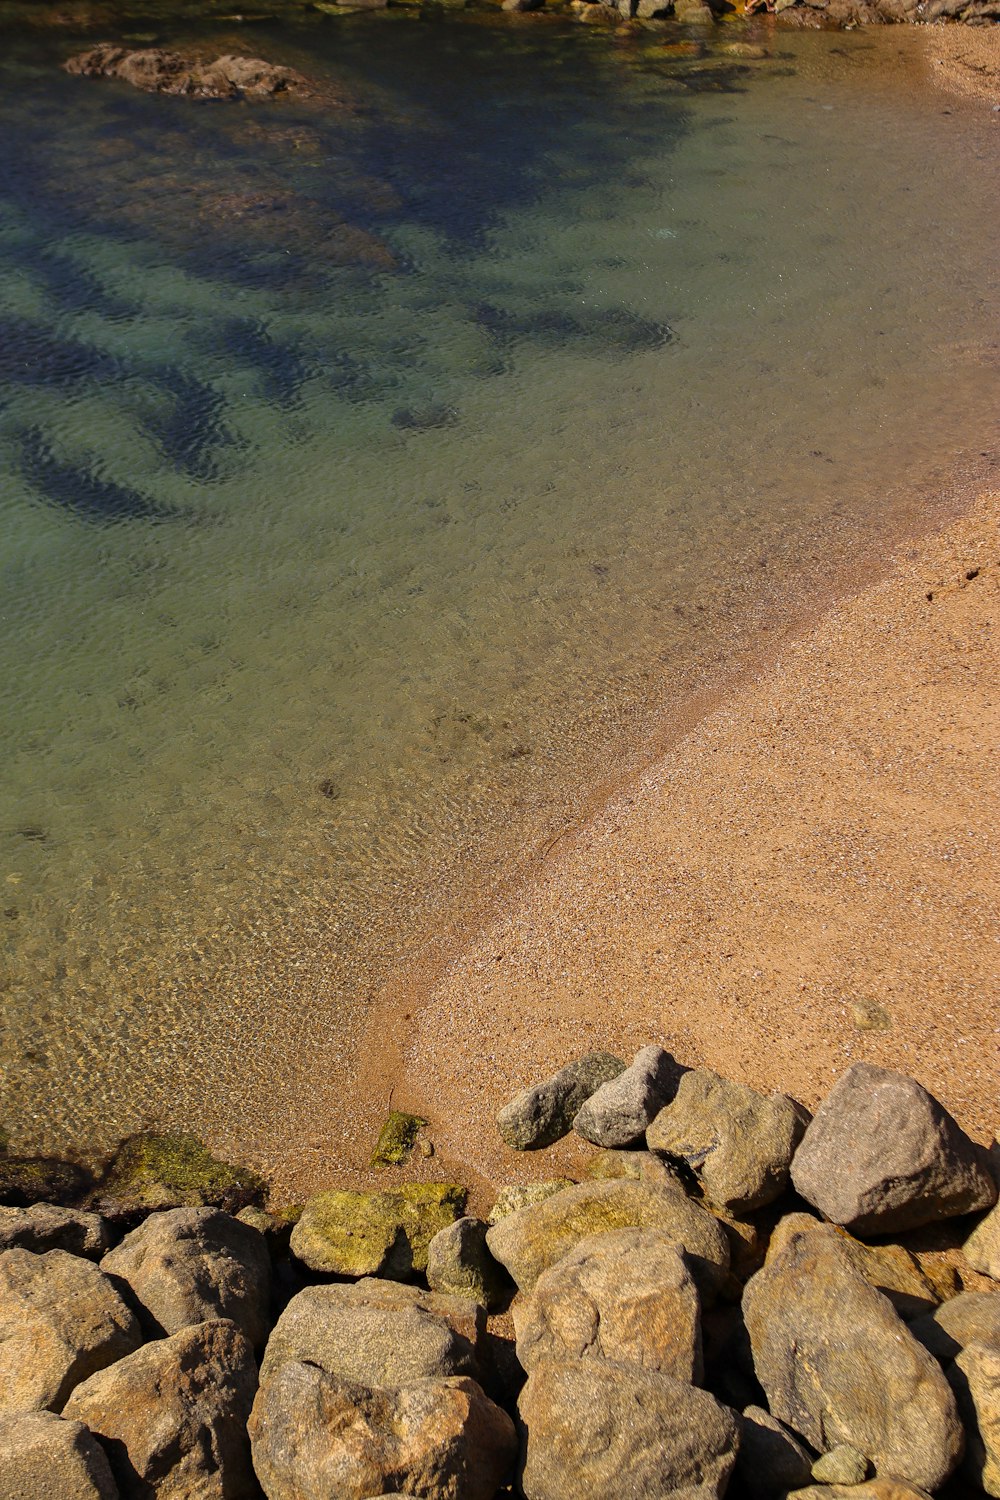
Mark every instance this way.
x=841 y=1465
x=150 y=1171
x=626 y=1296
x=190 y=1265
x=45 y=1457
x=982 y=1248
x=771 y=1459
x=396 y=1139
x=869 y=1015
x=523 y=1195
x=60 y=1320
x=971 y=1317
x=459 y=1262
x=975 y=1379
x=748 y=50
x=44 y=1227
x=541 y=1115
x=739 y=1142
x=882 y=1155
x=595 y=1430
x=375 y=1234
x=618 y=1112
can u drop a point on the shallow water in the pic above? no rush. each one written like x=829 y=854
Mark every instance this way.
x=372 y=476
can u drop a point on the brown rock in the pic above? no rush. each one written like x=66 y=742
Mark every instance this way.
x=895 y=1272
x=60 y=1320
x=971 y=1317
x=982 y=1248
x=616 y=1114
x=44 y=1227
x=872 y=1489
x=975 y=1379
x=172 y=1416
x=771 y=1459
x=45 y=1457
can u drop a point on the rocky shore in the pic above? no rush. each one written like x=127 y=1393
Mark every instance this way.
x=736 y=1298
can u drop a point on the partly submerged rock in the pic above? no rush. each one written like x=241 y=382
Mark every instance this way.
x=596 y=1431
x=156 y=71
x=172 y=1416
x=626 y=1296
x=541 y=1115
x=45 y=1457
x=190 y=1265
x=459 y=1262
x=44 y=1227
x=839 y=1366
x=396 y=1139
x=315 y=1435
x=375 y=1234
x=155 y=1171
x=61 y=1319
x=25 y=1180
x=616 y=1114
x=882 y=1155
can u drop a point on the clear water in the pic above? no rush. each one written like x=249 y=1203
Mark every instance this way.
x=372 y=476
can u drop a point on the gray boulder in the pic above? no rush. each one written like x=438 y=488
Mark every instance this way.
x=982 y=1248
x=530 y=1241
x=191 y=1265
x=771 y=1459
x=599 y=1431
x=315 y=1436
x=975 y=1379
x=459 y=1263
x=971 y=1317
x=44 y=1457
x=626 y=1296
x=541 y=1115
x=838 y=1365
x=740 y=1143
x=377 y=1334
x=173 y=1416
x=44 y=1227
x=882 y=1155
x=618 y=1112
x=60 y=1320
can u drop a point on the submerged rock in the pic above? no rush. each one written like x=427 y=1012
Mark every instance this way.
x=541 y=1115
x=45 y=1457
x=26 y=1180
x=375 y=1234
x=158 y=72
x=159 y=1171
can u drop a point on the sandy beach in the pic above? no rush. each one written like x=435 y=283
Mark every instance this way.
x=807 y=879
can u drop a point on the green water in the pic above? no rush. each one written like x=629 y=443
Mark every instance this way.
x=372 y=477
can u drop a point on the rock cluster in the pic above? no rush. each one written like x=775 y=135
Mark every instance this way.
x=156 y=71
x=718 y=1307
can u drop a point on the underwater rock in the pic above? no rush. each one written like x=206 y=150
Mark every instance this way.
x=158 y=72
x=151 y=1171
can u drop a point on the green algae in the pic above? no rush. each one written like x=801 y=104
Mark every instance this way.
x=376 y=1234
x=396 y=1139
x=41 y=1179
x=175 y=1170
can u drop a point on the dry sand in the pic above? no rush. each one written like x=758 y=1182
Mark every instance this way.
x=809 y=878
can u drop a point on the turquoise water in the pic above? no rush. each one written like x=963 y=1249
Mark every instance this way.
x=371 y=476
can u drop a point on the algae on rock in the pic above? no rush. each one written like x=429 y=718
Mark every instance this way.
x=375 y=1234
x=396 y=1139
x=152 y=1171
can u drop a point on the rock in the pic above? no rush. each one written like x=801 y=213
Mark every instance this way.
x=838 y=1365
x=883 y=1155
x=459 y=1262
x=971 y=1317
x=618 y=1112
x=190 y=1265
x=841 y=1465
x=748 y=50
x=975 y=1379
x=625 y=1296
x=316 y=1436
x=151 y=1171
x=375 y=1234
x=596 y=1431
x=60 y=1320
x=534 y=1238
x=872 y=1489
x=276 y=1228
x=740 y=1143
x=522 y=5
x=982 y=1248
x=891 y=1269
x=376 y=1334
x=771 y=1459
x=25 y=1180
x=396 y=1139
x=525 y=1195
x=542 y=1115
x=158 y=72
x=692 y=12
x=172 y=1416
x=641 y=1166
x=43 y=1227
x=44 y=1457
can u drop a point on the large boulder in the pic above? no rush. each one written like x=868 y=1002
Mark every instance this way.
x=599 y=1431
x=45 y=1457
x=740 y=1143
x=61 y=1319
x=617 y=1113
x=971 y=1317
x=375 y=1234
x=626 y=1296
x=882 y=1155
x=891 y=1269
x=530 y=1241
x=315 y=1435
x=173 y=1416
x=771 y=1459
x=982 y=1248
x=839 y=1366
x=872 y=1489
x=541 y=1115
x=377 y=1333
x=44 y=1226
x=151 y=1171
x=975 y=1379
x=459 y=1263
x=191 y=1265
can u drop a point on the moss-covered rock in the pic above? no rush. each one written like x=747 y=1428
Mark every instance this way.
x=396 y=1139
x=151 y=1171
x=375 y=1234
x=25 y=1180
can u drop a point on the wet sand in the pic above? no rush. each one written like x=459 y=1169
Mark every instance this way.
x=966 y=60
x=807 y=879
